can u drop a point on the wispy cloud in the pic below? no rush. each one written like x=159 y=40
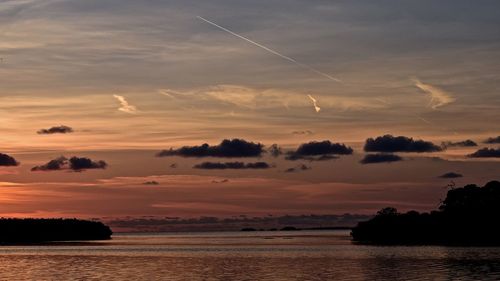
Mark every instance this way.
x=125 y=106
x=315 y=103
x=262 y=98
x=439 y=97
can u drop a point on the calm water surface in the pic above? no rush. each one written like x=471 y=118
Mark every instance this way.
x=304 y=255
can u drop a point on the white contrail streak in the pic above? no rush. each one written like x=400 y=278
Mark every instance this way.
x=438 y=97
x=125 y=106
x=315 y=103
x=272 y=51
x=426 y=121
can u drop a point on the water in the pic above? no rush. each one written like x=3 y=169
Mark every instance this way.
x=304 y=255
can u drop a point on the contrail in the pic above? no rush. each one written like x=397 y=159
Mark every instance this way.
x=272 y=51
x=125 y=106
x=422 y=119
x=438 y=96
x=315 y=103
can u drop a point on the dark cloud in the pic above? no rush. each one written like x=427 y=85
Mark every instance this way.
x=389 y=143
x=301 y=167
x=231 y=165
x=222 y=181
x=319 y=151
x=227 y=148
x=493 y=140
x=306 y=132
x=275 y=150
x=451 y=175
x=7 y=160
x=294 y=157
x=380 y=158
x=486 y=153
x=74 y=163
x=465 y=143
x=56 y=130
x=52 y=165
x=151 y=183
x=326 y=147
x=326 y=157
x=83 y=163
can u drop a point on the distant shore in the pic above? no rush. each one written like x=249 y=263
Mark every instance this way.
x=292 y=228
x=235 y=223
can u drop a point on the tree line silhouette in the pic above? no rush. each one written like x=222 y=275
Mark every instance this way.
x=47 y=230
x=469 y=215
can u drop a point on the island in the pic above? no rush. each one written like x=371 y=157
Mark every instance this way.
x=469 y=216
x=16 y=231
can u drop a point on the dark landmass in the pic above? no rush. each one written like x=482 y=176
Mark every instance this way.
x=271 y=223
x=329 y=228
x=289 y=228
x=469 y=216
x=20 y=231
x=248 y=229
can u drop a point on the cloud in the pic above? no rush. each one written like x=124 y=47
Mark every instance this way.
x=315 y=103
x=231 y=165
x=438 y=97
x=322 y=147
x=319 y=150
x=82 y=163
x=221 y=181
x=261 y=99
x=380 y=158
x=275 y=150
x=306 y=132
x=151 y=183
x=450 y=175
x=7 y=160
x=486 y=153
x=52 y=165
x=293 y=157
x=465 y=143
x=493 y=140
x=56 y=130
x=389 y=143
x=227 y=148
x=125 y=106
x=301 y=167
x=74 y=163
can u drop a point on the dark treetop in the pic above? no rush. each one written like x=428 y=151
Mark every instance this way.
x=469 y=215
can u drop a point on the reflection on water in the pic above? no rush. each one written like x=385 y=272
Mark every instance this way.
x=304 y=255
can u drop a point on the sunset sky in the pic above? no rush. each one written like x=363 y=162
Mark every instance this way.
x=119 y=81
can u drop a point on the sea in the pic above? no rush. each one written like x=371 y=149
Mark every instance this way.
x=234 y=256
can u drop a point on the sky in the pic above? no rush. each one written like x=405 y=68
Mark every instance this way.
x=114 y=83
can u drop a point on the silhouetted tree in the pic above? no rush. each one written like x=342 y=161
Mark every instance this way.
x=389 y=211
x=469 y=215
